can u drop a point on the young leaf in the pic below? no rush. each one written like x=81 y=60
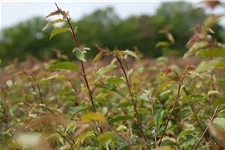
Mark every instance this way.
x=65 y=66
x=120 y=118
x=57 y=31
x=104 y=70
x=80 y=54
x=211 y=20
x=52 y=23
x=53 y=13
x=195 y=47
x=170 y=37
x=128 y=52
x=98 y=56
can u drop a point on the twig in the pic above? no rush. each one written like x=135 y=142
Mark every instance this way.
x=133 y=101
x=38 y=87
x=81 y=62
x=194 y=113
x=74 y=88
x=65 y=138
x=211 y=120
x=35 y=97
x=174 y=105
x=213 y=115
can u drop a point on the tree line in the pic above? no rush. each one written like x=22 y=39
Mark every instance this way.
x=105 y=28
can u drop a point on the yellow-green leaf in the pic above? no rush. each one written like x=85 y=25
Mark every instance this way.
x=195 y=47
x=57 y=31
x=93 y=116
x=52 y=23
x=105 y=139
x=217 y=52
x=162 y=44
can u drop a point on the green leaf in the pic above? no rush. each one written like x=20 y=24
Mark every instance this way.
x=217 y=52
x=110 y=87
x=0 y=61
x=120 y=118
x=57 y=31
x=158 y=117
x=80 y=109
x=52 y=23
x=65 y=66
x=219 y=101
x=124 y=104
x=186 y=132
x=102 y=100
x=80 y=54
x=105 y=139
x=93 y=116
x=104 y=70
x=116 y=80
x=163 y=85
x=163 y=44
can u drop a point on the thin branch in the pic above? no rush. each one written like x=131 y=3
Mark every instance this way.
x=211 y=120
x=133 y=101
x=174 y=105
x=194 y=113
x=213 y=115
x=81 y=62
x=38 y=87
x=74 y=88
x=65 y=138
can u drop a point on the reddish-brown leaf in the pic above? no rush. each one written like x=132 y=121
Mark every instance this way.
x=53 y=13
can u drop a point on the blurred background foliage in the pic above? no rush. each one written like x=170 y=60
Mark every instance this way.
x=105 y=28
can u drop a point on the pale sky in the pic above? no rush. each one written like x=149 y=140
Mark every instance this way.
x=13 y=12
